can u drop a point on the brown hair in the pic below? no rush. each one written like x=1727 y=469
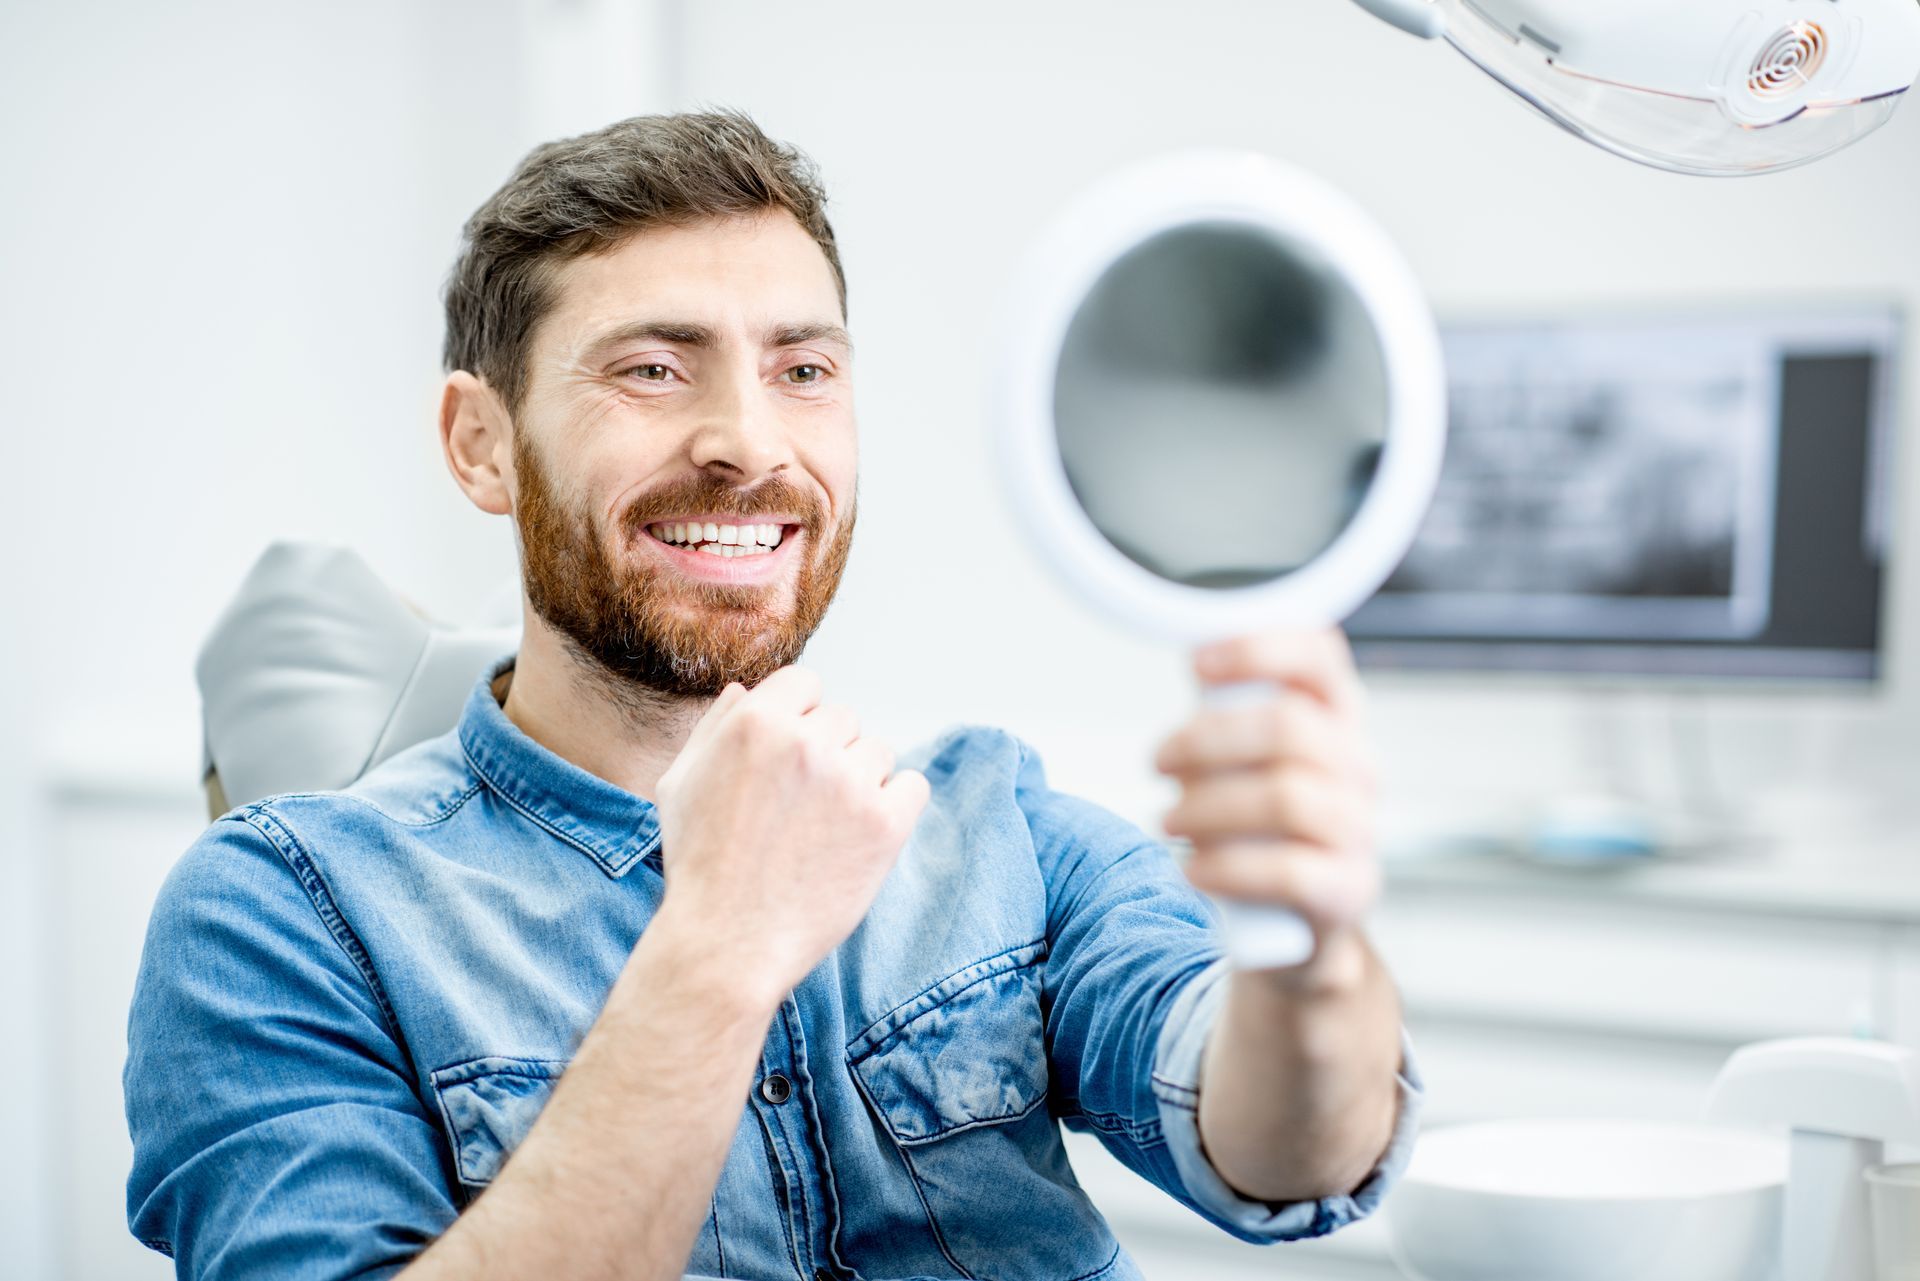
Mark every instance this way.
x=587 y=195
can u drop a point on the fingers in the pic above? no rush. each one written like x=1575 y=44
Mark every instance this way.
x=1294 y=804
x=1323 y=887
x=831 y=725
x=794 y=691
x=871 y=760
x=716 y=711
x=906 y=795
x=1290 y=729
x=1319 y=662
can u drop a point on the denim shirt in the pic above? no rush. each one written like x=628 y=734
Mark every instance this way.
x=352 y=1006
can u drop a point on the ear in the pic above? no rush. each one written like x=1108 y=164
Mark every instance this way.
x=476 y=436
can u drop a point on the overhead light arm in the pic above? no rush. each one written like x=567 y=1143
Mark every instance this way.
x=1422 y=18
x=1719 y=88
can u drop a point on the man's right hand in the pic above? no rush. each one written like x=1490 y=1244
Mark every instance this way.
x=778 y=824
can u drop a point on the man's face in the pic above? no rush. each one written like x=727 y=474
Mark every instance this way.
x=684 y=460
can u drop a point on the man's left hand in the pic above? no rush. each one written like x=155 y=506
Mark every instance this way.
x=1278 y=796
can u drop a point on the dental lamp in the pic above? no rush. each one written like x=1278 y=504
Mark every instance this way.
x=1718 y=88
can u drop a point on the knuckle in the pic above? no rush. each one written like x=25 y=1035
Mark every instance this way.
x=814 y=758
x=1283 y=797
x=1284 y=717
x=1369 y=881
x=751 y=721
x=1366 y=771
x=1292 y=877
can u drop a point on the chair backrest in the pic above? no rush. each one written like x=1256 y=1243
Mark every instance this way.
x=318 y=671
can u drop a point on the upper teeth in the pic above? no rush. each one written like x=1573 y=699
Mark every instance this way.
x=720 y=540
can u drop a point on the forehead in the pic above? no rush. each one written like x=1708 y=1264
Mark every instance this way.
x=727 y=273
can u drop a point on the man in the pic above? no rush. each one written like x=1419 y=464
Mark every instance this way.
x=655 y=964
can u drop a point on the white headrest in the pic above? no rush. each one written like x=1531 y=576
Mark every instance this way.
x=318 y=671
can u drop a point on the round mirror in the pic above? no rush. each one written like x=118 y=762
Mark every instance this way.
x=1226 y=405
x=1220 y=404
x=1225 y=413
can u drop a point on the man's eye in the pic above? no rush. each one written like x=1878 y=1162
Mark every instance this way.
x=651 y=373
x=806 y=373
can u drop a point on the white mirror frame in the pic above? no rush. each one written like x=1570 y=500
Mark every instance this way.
x=1080 y=245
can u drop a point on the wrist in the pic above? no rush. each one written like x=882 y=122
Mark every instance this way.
x=685 y=952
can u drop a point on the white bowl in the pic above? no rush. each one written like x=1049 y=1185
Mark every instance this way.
x=1589 y=1201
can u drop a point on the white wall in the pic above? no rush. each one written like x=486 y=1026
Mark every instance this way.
x=948 y=134
x=224 y=230
x=227 y=224
x=25 y=1105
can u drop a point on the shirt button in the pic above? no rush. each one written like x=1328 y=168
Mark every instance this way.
x=776 y=1089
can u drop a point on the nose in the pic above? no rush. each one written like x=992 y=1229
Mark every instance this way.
x=740 y=435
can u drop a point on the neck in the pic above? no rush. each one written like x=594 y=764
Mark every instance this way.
x=576 y=709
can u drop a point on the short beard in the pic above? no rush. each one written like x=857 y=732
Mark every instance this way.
x=682 y=639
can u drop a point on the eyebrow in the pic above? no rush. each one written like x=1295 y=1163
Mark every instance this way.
x=700 y=336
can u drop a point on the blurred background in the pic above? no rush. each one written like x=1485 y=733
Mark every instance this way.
x=224 y=235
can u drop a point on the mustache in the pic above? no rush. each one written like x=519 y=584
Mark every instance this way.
x=771 y=496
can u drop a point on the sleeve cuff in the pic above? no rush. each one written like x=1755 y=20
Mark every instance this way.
x=1176 y=1080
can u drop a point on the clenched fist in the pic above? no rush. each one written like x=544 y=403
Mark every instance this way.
x=778 y=824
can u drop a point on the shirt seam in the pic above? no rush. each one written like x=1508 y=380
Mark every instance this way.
x=1105 y=1267
x=456 y=803
x=300 y=862
x=990 y=972
x=1182 y=1095
x=1145 y=1133
x=613 y=867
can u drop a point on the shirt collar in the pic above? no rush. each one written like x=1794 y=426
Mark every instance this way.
x=610 y=825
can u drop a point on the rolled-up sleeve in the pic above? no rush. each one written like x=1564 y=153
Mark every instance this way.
x=1176 y=1087
x=1134 y=981
x=276 y=1132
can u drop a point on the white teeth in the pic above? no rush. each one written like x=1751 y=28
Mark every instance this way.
x=721 y=540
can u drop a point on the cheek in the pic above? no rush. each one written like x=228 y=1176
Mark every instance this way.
x=835 y=462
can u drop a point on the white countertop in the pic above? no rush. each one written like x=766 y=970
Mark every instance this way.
x=1876 y=880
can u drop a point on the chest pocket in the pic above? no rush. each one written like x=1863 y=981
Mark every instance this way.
x=958 y=1078
x=488 y=1105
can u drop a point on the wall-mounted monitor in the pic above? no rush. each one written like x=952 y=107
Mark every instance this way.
x=1702 y=495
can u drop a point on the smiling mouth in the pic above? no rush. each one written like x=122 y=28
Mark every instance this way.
x=717 y=539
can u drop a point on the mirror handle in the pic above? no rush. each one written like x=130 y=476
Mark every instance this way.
x=1259 y=937
x=1421 y=18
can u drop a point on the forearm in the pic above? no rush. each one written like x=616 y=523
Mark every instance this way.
x=1298 y=1083
x=614 y=1178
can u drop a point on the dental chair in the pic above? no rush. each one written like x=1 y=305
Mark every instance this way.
x=318 y=671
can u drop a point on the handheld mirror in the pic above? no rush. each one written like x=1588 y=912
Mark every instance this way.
x=1225 y=414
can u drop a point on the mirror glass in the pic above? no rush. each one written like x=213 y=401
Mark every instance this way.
x=1220 y=404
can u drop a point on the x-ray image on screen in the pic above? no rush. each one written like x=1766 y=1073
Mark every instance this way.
x=1604 y=481
x=1699 y=495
